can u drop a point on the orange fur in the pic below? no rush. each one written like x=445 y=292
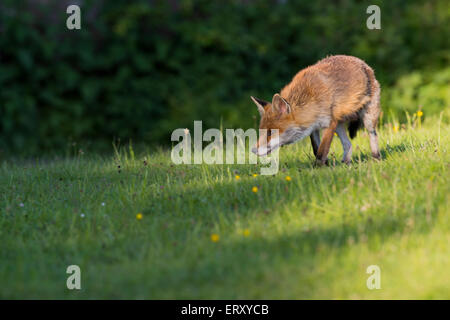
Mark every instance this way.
x=334 y=86
x=332 y=91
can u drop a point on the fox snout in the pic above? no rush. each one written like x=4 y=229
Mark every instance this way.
x=262 y=151
x=266 y=145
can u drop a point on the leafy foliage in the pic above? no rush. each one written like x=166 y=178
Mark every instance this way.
x=141 y=69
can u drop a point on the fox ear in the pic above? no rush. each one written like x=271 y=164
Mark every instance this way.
x=260 y=104
x=279 y=105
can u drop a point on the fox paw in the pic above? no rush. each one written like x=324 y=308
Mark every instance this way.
x=321 y=163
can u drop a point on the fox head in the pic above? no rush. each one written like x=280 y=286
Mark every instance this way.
x=280 y=125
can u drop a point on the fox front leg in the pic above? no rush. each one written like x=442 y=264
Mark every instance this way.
x=346 y=143
x=324 y=148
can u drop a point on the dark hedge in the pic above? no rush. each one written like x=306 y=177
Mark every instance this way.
x=139 y=69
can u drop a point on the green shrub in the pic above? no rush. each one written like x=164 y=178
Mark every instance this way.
x=427 y=92
x=137 y=70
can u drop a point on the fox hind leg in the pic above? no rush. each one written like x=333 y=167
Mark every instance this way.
x=370 y=117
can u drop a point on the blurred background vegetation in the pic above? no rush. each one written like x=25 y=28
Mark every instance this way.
x=140 y=69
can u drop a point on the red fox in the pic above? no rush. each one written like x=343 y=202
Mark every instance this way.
x=330 y=94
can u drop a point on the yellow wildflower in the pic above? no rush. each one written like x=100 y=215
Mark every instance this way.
x=419 y=113
x=139 y=216
x=246 y=232
x=255 y=189
x=395 y=128
x=288 y=178
x=237 y=177
x=255 y=175
x=215 y=237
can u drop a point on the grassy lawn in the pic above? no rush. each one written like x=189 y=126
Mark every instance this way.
x=310 y=237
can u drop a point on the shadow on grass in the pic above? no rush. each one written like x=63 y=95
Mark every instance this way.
x=335 y=160
x=388 y=150
x=287 y=267
x=249 y=267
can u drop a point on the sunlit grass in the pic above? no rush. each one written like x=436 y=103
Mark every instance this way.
x=140 y=227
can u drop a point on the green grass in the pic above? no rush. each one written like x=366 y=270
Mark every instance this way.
x=311 y=237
